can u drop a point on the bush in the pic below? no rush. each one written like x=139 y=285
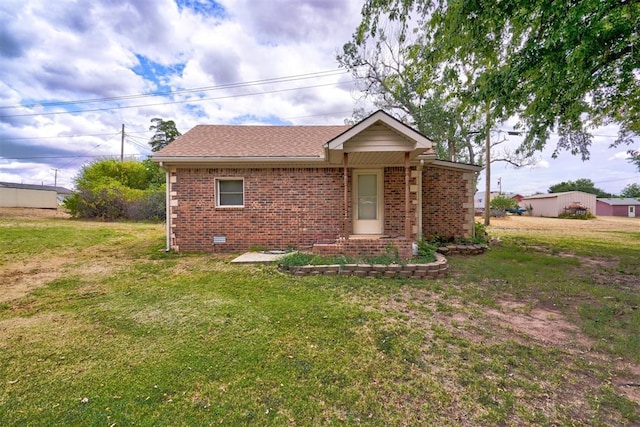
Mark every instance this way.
x=426 y=250
x=150 y=207
x=110 y=190
x=569 y=215
x=480 y=233
x=103 y=202
x=503 y=203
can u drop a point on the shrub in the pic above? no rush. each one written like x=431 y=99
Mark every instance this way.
x=503 y=203
x=569 y=215
x=480 y=233
x=111 y=190
x=150 y=207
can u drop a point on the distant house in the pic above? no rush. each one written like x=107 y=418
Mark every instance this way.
x=617 y=207
x=515 y=196
x=14 y=195
x=554 y=204
x=478 y=199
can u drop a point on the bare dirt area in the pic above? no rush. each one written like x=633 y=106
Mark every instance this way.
x=32 y=213
x=19 y=275
x=20 y=279
x=549 y=325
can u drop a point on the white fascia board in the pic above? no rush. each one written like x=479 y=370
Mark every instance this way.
x=454 y=165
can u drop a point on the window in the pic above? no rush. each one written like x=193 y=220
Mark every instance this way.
x=230 y=192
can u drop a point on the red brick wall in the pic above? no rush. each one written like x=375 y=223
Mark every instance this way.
x=444 y=191
x=297 y=207
x=394 y=195
x=367 y=248
x=282 y=207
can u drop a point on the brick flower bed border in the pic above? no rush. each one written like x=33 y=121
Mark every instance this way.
x=432 y=270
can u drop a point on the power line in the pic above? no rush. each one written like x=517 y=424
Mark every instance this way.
x=319 y=74
x=56 y=137
x=617 y=179
x=52 y=113
x=28 y=138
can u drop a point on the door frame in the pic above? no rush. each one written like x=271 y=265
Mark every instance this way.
x=368 y=227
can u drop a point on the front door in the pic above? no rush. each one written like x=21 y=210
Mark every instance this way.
x=367 y=202
x=632 y=212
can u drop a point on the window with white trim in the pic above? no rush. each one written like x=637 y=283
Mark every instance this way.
x=230 y=192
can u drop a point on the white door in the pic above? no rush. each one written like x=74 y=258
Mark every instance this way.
x=632 y=212
x=367 y=202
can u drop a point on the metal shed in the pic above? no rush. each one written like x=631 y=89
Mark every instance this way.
x=14 y=195
x=554 y=204
x=618 y=207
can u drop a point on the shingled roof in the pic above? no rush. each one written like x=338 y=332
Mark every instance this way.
x=620 y=201
x=229 y=141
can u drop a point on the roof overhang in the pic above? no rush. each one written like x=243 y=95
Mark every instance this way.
x=378 y=139
x=200 y=161
x=453 y=165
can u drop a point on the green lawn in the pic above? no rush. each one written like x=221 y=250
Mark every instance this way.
x=104 y=328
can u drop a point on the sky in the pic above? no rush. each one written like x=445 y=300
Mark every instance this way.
x=72 y=73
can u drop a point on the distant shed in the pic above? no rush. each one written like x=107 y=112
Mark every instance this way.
x=14 y=195
x=617 y=207
x=554 y=204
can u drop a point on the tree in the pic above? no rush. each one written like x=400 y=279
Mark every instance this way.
x=631 y=190
x=582 y=184
x=389 y=74
x=165 y=133
x=634 y=158
x=558 y=66
x=501 y=202
x=108 y=189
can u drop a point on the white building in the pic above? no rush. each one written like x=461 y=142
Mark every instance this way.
x=554 y=204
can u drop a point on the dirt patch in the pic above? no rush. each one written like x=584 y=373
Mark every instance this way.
x=17 y=280
x=542 y=324
x=521 y=322
x=33 y=213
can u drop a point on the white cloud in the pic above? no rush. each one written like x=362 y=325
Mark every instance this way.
x=544 y=164
x=66 y=50
x=619 y=155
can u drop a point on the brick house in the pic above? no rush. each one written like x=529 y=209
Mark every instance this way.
x=357 y=189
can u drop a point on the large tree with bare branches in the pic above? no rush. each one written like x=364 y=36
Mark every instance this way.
x=562 y=67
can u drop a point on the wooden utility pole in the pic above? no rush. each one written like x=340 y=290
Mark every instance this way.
x=487 y=169
x=122 y=145
x=55 y=176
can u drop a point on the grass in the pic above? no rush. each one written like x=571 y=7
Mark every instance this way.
x=122 y=333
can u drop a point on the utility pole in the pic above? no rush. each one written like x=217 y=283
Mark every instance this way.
x=500 y=185
x=55 y=179
x=122 y=145
x=487 y=168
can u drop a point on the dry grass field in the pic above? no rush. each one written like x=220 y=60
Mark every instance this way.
x=99 y=326
x=563 y=226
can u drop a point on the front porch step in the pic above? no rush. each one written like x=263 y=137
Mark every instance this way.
x=367 y=247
